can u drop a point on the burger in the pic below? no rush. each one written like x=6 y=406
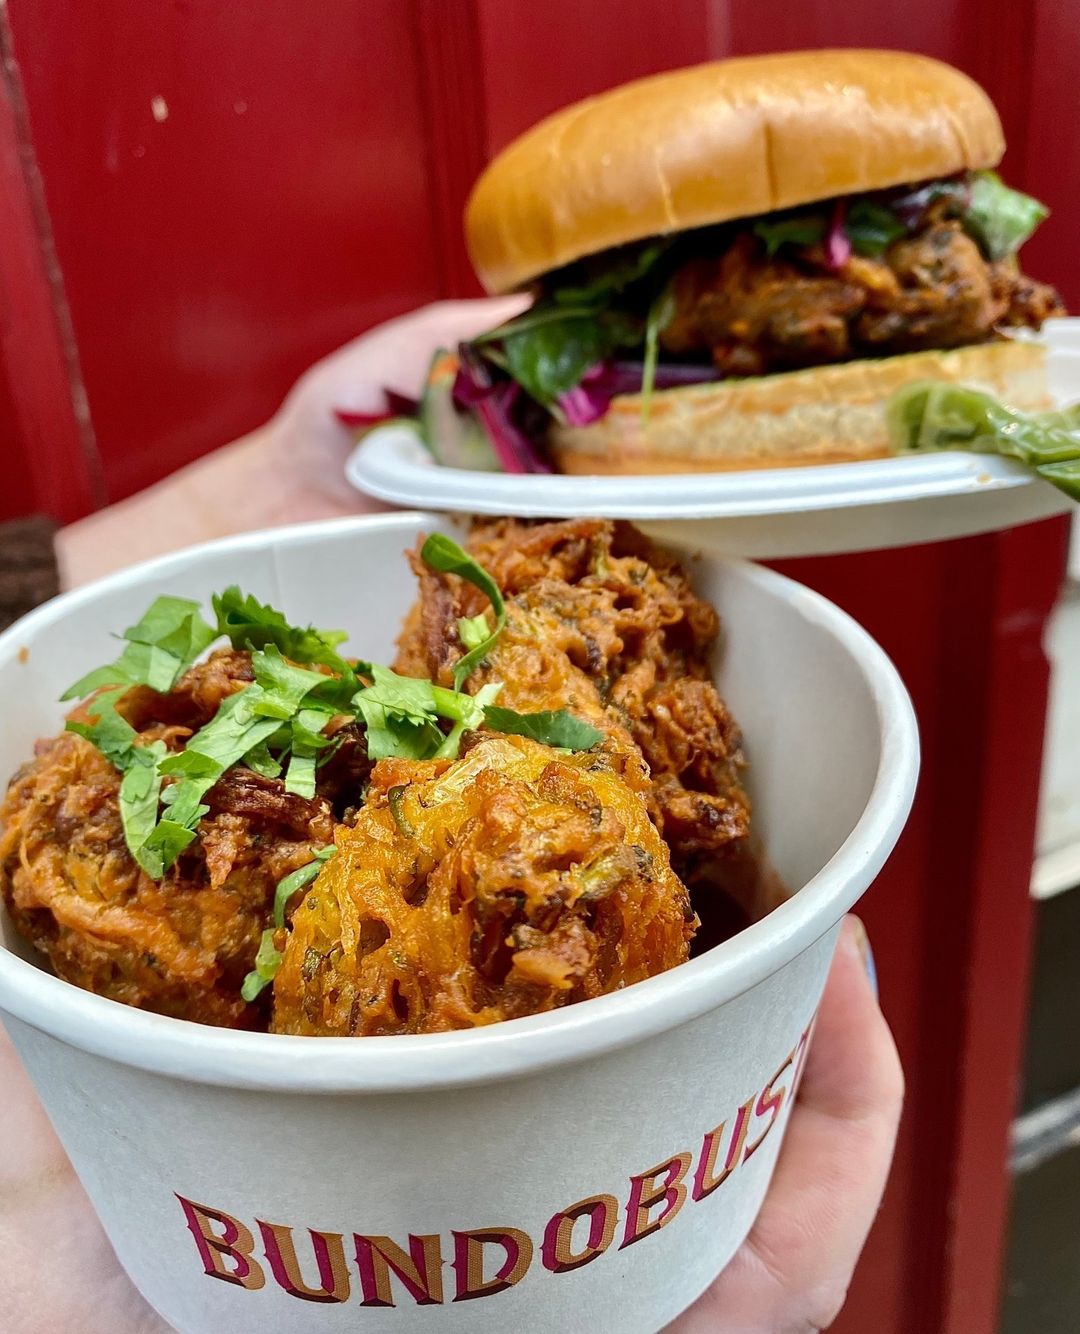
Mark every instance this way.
x=735 y=265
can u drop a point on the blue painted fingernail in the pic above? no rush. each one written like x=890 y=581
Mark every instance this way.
x=862 y=943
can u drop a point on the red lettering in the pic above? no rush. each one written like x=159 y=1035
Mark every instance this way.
x=329 y=1257
x=558 y=1253
x=645 y=1194
x=420 y=1270
x=469 y=1261
x=234 y=1245
x=706 y=1178
x=769 y=1103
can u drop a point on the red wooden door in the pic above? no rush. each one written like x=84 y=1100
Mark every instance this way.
x=197 y=200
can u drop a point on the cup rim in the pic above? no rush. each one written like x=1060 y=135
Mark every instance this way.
x=203 y=1054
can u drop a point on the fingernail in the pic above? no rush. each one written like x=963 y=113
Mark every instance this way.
x=866 y=954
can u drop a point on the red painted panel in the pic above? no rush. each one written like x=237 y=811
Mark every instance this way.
x=928 y=26
x=36 y=354
x=537 y=58
x=1053 y=156
x=235 y=190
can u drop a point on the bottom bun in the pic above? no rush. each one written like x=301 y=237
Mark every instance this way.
x=830 y=414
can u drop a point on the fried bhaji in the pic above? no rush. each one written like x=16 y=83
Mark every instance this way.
x=503 y=884
x=602 y=621
x=179 y=946
x=470 y=875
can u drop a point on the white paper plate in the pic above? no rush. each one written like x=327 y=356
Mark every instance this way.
x=774 y=512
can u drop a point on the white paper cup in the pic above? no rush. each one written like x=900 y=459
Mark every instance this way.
x=590 y=1169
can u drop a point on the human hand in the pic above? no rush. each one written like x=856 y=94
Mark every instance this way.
x=290 y=470
x=792 y=1273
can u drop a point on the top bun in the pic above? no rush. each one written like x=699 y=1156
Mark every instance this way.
x=720 y=141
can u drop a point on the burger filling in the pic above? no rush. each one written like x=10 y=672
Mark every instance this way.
x=933 y=266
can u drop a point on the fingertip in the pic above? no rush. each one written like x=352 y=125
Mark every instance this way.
x=854 y=937
x=853 y=1065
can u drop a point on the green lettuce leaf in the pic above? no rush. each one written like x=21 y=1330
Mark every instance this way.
x=1000 y=219
x=612 y=274
x=550 y=359
x=871 y=227
x=932 y=415
x=805 y=229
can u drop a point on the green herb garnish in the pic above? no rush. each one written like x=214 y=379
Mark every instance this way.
x=267 y=963
x=298 y=879
x=249 y=623
x=559 y=728
x=806 y=229
x=159 y=649
x=442 y=554
x=278 y=725
x=659 y=317
x=268 y=959
x=871 y=227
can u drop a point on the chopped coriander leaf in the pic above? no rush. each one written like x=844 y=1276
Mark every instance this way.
x=297 y=879
x=267 y=962
x=307 y=729
x=159 y=648
x=400 y=716
x=168 y=840
x=262 y=762
x=557 y=728
x=225 y=739
x=140 y=791
x=403 y=696
x=401 y=738
x=442 y=554
x=173 y=624
x=473 y=630
x=114 y=736
x=252 y=624
x=467 y=713
x=282 y=687
x=300 y=775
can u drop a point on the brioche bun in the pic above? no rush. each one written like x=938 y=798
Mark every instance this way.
x=717 y=142
x=828 y=414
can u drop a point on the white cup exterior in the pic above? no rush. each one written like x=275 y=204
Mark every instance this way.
x=590 y=1169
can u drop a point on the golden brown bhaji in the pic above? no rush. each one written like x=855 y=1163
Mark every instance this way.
x=509 y=882
x=604 y=623
x=180 y=946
